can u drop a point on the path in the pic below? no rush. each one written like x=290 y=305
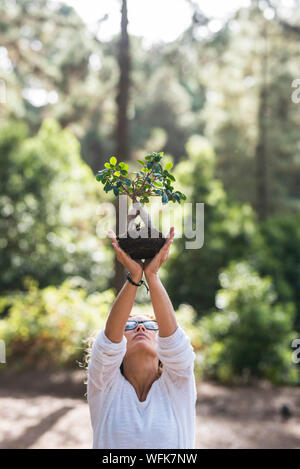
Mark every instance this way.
x=42 y=411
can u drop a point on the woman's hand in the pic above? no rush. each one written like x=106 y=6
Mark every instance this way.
x=152 y=266
x=134 y=267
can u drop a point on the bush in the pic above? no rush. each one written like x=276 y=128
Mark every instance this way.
x=47 y=328
x=250 y=336
x=230 y=232
x=280 y=258
x=50 y=327
x=48 y=206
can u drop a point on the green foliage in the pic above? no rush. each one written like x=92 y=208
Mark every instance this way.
x=48 y=327
x=280 y=258
x=48 y=204
x=250 y=117
x=251 y=336
x=51 y=327
x=151 y=180
x=230 y=232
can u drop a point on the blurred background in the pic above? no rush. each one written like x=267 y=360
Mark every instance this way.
x=211 y=84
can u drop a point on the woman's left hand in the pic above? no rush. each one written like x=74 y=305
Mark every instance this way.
x=134 y=267
x=152 y=266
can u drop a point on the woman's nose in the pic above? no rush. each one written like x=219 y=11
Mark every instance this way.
x=140 y=326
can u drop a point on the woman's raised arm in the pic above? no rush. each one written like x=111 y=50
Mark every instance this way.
x=162 y=306
x=123 y=303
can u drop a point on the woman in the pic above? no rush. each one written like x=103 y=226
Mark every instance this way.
x=134 y=402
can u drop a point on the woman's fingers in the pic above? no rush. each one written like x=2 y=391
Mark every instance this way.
x=112 y=235
x=169 y=239
x=166 y=246
x=171 y=233
x=115 y=243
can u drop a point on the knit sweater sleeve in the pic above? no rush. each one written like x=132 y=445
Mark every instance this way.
x=106 y=358
x=176 y=354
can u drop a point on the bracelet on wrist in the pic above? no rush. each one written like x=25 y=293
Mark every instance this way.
x=141 y=282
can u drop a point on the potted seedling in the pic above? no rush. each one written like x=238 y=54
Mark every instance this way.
x=153 y=179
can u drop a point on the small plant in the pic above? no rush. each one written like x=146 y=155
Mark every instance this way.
x=151 y=180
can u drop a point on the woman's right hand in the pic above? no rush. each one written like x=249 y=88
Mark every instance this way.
x=134 y=267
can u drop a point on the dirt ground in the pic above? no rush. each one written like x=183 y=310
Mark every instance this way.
x=44 y=410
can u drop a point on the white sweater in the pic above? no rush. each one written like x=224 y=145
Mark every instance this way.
x=166 y=419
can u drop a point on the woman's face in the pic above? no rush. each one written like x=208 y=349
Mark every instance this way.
x=140 y=338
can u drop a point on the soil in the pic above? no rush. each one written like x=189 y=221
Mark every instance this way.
x=141 y=247
x=48 y=410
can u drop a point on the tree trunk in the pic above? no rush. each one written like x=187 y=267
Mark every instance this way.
x=122 y=129
x=261 y=159
x=261 y=147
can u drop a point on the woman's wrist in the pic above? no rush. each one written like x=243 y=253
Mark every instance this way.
x=151 y=276
x=136 y=276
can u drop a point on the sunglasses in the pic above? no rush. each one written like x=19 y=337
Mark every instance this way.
x=149 y=324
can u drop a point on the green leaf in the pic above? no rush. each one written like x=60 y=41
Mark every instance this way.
x=99 y=177
x=107 y=165
x=171 y=177
x=164 y=198
x=113 y=160
x=108 y=187
x=181 y=195
x=150 y=164
x=128 y=182
x=141 y=162
x=158 y=191
x=169 y=165
x=116 y=190
x=124 y=172
x=117 y=173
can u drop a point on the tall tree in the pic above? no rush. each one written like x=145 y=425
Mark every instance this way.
x=122 y=134
x=262 y=140
x=250 y=116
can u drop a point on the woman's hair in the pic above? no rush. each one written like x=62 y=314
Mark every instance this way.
x=91 y=340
